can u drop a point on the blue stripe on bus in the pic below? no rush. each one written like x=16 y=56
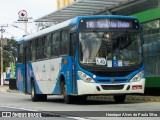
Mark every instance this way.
x=30 y=74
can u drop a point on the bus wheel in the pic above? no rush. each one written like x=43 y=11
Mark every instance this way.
x=34 y=96
x=68 y=99
x=119 y=98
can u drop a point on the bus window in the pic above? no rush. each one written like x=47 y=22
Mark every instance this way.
x=28 y=50
x=20 y=55
x=55 y=44
x=90 y=44
x=64 y=42
x=33 y=50
x=47 y=48
x=39 y=53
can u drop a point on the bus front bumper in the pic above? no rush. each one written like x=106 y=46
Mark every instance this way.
x=110 y=89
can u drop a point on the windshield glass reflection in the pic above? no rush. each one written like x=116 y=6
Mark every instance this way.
x=110 y=49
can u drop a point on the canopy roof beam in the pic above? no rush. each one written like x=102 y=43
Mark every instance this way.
x=84 y=7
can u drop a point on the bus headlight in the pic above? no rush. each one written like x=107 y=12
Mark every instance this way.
x=85 y=77
x=138 y=77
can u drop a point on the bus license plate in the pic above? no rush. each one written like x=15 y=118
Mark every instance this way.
x=136 y=87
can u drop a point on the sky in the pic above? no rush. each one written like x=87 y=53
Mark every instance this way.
x=9 y=10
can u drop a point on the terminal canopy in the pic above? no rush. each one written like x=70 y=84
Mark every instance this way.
x=82 y=8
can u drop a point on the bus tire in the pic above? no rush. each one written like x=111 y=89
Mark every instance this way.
x=119 y=98
x=68 y=99
x=35 y=97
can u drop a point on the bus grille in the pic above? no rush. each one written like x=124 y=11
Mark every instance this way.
x=116 y=81
x=112 y=87
x=111 y=74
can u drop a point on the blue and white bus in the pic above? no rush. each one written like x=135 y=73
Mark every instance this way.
x=86 y=55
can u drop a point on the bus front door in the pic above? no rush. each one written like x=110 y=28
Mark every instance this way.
x=73 y=42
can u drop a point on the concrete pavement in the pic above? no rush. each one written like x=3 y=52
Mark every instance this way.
x=4 y=88
x=131 y=98
x=146 y=98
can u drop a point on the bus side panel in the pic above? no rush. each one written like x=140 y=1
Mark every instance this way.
x=55 y=74
x=66 y=71
x=45 y=75
x=30 y=75
x=20 y=77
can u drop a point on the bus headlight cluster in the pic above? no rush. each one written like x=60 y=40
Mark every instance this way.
x=138 y=77
x=85 y=77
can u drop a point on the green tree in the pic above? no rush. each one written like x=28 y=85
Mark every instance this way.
x=10 y=47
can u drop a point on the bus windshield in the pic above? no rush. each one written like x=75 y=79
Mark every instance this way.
x=110 y=49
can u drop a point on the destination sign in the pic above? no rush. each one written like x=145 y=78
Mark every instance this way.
x=108 y=24
x=86 y=24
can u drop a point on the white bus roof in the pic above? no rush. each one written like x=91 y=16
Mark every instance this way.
x=67 y=23
x=50 y=29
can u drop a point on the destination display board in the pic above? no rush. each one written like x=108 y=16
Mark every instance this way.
x=108 y=24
